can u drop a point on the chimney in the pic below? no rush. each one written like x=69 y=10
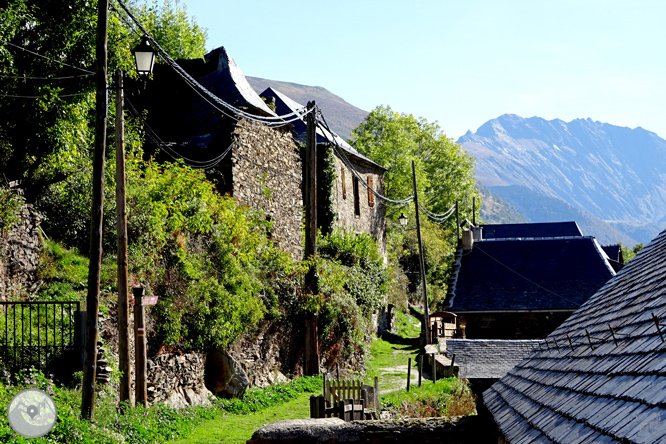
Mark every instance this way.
x=467 y=240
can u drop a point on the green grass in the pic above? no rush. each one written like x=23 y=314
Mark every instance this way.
x=446 y=397
x=231 y=428
x=389 y=356
x=406 y=325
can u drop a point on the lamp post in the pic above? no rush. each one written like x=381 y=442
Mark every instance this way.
x=144 y=57
x=403 y=220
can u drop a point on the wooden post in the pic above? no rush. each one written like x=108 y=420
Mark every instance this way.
x=409 y=372
x=474 y=211
x=140 y=358
x=311 y=182
x=426 y=314
x=453 y=362
x=420 y=368
x=95 y=253
x=434 y=368
x=311 y=366
x=121 y=229
x=376 y=397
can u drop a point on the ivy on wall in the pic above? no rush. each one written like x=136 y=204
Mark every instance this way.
x=326 y=177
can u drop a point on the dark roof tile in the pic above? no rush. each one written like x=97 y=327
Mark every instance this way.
x=612 y=393
x=544 y=274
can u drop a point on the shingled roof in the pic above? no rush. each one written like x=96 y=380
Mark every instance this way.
x=285 y=105
x=531 y=230
x=488 y=358
x=528 y=274
x=604 y=378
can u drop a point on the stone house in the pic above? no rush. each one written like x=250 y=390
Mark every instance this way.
x=521 y=281
x=258 y=164
x=356 y=206
x=601 y=378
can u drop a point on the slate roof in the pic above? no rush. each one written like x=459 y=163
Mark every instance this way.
x=488 y=358
x=528 y=274
x=607 y=386
x=533 y=230
x=227 y=81
x=285 y=105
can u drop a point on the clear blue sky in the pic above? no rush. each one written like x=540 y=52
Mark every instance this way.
x=458 y=62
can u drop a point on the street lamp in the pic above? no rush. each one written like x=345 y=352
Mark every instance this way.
x=403 y=220
x=144 y=57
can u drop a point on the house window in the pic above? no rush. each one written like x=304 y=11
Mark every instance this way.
x=344 y=184
x=371 y=195
x=357 y=206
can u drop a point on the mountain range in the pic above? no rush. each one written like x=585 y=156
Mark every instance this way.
x=610 y=179
x=343 y=117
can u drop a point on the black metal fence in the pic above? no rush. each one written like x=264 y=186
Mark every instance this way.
x=46 y=335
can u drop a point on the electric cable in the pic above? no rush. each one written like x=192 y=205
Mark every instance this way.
x=167 y=146
x=576 y=304
x=340 y=151
x=44 y=78
x=50 y=59
x=273 y=121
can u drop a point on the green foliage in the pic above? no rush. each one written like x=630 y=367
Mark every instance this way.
x=446 y=397
x=256 y=399
x=326 y=178
x=444 y=175
x=10 y=205
x=444 y=171
x=134 y=425
x=176 y=32
x=629 y=253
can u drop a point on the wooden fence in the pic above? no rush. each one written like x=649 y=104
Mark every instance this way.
x=347 y=400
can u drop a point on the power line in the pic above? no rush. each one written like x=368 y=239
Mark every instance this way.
x=50 y=59
x=526 y=278
x=44 y=78
x=340 y=151
x=208 y=96
x=167 y=146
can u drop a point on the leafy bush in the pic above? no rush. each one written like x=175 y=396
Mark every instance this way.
x=446 y=397
x=133 y=425
x=10 y=204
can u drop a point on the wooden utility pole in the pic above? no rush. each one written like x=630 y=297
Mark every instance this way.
x=140 y=358
x=92 y=299
x=311 y=182
x=121 y=212
x=426 y=311
x=311 y=366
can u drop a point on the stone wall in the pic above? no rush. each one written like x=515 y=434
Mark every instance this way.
x=371 y=215
x=20 y=249
x=267 y=175
x=177 y=380
x=457 y=430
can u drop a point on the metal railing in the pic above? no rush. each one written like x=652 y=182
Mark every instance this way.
x=46 y=335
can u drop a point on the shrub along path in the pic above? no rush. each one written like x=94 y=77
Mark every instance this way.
x=388 y=361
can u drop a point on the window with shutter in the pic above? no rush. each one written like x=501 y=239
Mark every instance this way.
x=344 y=184
x=371 y=195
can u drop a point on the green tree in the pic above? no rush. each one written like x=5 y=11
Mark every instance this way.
x=444 y=171
x=444 y=175
x=47 y=54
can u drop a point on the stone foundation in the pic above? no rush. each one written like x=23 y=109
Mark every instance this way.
x=463 y=430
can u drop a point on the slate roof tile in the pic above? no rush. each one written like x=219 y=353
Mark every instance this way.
x=612 y=393
x=529 y=274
